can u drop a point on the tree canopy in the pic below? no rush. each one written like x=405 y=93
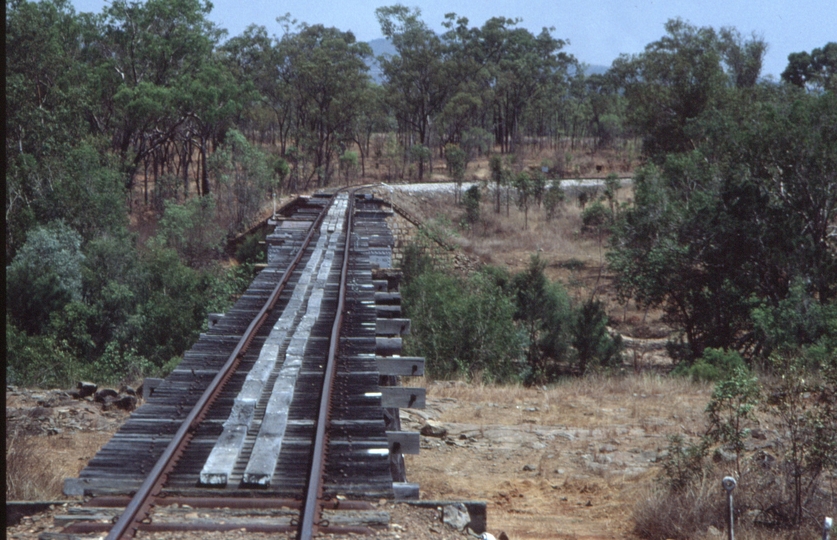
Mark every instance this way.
x=129 y=129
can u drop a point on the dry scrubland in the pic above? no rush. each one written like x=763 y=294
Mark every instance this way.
x=571 y=460
x=579 y=459
x=574 y=257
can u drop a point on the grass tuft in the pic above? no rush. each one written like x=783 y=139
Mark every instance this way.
x=30 y=474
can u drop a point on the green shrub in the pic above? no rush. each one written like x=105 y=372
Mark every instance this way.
x=573 y=264
x=463 y=327
x=779 y=485
x=683 y=463
x=731 y=411
x=595 y=347
x=595 y=217
x=414 y=263
x=39 y=361
x=250 y=250
x=713 y=365
x=471 y=202
x=192 y=230
x=799 y=320
x=119 y=365
x=44 y=276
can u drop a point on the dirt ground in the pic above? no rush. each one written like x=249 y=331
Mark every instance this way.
x=566 y=461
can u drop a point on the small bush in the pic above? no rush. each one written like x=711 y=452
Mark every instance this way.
x=713 y=365
x=250 y=250
x=471 y=202
x=780 y=492
x=683 y=463
x=414 y=263
x=463 y=327
x=573 y=264
x=595 y=347
x=38 y=361
x=595 y=217
x=120 y=366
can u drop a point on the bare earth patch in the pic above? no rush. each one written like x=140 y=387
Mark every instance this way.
x=568 y=461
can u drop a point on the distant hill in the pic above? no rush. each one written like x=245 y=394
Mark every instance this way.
x=380 y=46
x=383 y=46
x=595 y=70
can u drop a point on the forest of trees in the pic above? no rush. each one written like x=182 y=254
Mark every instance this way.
x=149 y=109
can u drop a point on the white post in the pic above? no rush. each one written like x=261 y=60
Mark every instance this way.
x=826 y=527
x=729 y=485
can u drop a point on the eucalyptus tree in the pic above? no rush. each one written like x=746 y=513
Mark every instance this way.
x=210 y=100
x=742 y=58
x=47 y=98
x=150 y=57
x=672 y=82
x=46 y=85
x=523 y=67
x=419 y=78
x=721 y=236
x=326 y=75
x=255 y=57
x=468 y=108
x=243 y=182
x=817 y=69
x=372 y=118
x=607 y=109
x=736 y=212
x=677 y=78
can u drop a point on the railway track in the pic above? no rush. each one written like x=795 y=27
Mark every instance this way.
x=283 y=417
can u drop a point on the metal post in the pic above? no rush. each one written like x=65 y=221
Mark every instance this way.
x=729 y=484
x=826 y=527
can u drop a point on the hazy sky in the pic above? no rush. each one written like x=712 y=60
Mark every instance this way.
x=598 y=30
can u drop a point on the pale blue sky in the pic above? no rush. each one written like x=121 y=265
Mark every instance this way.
x=598 y=30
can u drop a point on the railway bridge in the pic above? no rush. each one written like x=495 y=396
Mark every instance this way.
x=286 y=409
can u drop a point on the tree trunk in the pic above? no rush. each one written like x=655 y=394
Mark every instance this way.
x=145 y=181
x=204 y=172
x=187 y=159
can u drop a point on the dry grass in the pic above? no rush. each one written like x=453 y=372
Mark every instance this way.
x=36 y=465
x=540 y=487
x=29 y=475
x=646 y=399
x=701 y=507
x=562 y=494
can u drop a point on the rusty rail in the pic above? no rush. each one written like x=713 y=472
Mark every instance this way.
x=310 y=509
x=138 y=509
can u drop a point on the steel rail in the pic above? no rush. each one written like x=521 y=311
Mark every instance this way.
x=307 y=523
x=140 y=504
x=117 y=501
x=221 y=526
